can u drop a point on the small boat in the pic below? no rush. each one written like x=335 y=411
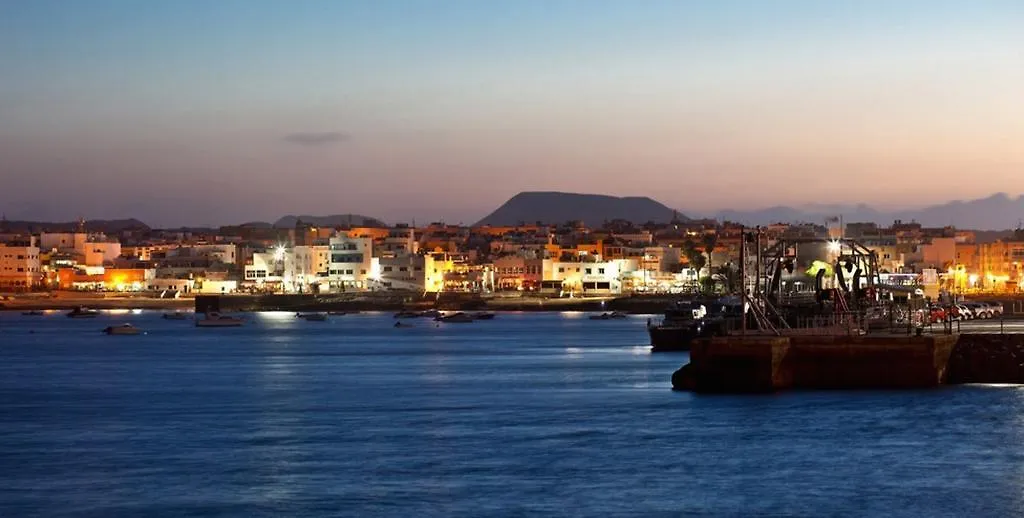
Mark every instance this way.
x=337 y=313
x=217 y=320
x=608 y=316
x=431 y=313
x=483 y=316
x=82 y=312
x=402 y=324
x=408 y=314
x=123 y=329
x=33 y=313
x=177 y=315
x=456 y=318
x=312 y=317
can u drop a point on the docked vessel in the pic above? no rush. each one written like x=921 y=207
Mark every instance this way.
x=82 y=312
x=123 y=329
x=455 y=318
x=614 y=315
x=217 y=320
x=686 y=320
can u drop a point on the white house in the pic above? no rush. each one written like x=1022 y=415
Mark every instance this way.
x=351 y=263
x=584 y=278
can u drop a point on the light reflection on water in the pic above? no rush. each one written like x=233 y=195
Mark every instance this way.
x=526 y=414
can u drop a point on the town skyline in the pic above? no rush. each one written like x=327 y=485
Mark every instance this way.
x=202 y=112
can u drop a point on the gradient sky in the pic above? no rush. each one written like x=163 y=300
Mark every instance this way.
x=210 y=112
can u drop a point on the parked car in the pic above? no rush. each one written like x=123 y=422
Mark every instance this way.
x=963 y=312
x=979 y=310
x=996 y=308
x=938 y=314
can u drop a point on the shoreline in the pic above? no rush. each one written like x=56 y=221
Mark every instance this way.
x=246 y=303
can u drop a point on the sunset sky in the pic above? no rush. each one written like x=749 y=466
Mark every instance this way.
x=210 y=112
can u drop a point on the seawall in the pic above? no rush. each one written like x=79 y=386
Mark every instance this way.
x=751 y=364
x=988 y=358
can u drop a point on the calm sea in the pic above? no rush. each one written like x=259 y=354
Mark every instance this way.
x=526 y=415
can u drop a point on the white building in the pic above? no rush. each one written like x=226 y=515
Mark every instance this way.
x=19 y=265
x=171 y=285
x=584 y=278
x=412 y=272
x=97 y=253
x=266 y=267
x=400 y=241
x=226 y=253
x=62 y=241
x=208 y=287
x=352 y=263
x=307 y=268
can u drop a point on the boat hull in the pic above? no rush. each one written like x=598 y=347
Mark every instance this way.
x=121 y=331
x=219 y=323
x=671 y=338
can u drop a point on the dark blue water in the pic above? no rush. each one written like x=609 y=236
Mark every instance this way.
x=538 y=414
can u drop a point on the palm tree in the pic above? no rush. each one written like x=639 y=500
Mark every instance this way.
x=694 y=257
x=709 y=241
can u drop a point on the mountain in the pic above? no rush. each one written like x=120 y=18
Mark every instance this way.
x=999 y=211
x=336 y=220
x=592 y=209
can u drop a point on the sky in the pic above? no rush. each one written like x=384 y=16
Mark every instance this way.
x=206 y=112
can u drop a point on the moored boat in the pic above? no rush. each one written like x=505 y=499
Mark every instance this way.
x=686 y=320
x=483 y=316
x=177 y=315
x=33 y=313
x=217 y=320
x=312 y=317
x=614 y=315
x=123 y=329
x=83 y=312
x=408 y=314
x=455 y=318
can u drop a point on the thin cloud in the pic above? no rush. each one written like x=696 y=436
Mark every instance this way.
x=314 y=138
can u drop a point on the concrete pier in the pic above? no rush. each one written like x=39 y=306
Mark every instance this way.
x=753 y=364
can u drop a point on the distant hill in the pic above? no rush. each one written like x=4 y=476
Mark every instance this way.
x=256 y=224
x=592 y=209
x=336 y=220
x=108 y=226
x=996 y=212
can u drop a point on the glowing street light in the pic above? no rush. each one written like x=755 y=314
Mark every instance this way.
x=834 y=246
x=279 y=253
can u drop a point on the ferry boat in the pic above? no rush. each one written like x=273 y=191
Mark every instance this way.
x=213 y=319
x=82 y=312
x=123 y=329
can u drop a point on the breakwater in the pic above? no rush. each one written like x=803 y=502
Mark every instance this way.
x=752 y=364
x=987 y=358
x=772 y=363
